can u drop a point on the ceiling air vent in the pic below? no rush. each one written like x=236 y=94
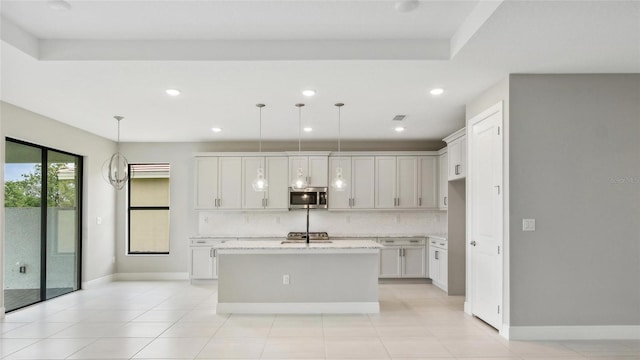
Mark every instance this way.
x=399 y=117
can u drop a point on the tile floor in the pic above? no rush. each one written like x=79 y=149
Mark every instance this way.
x=176 y=320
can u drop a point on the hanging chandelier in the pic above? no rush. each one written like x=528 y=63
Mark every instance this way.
x=260 y=183
x=339 y=183
x=299 y=183
x=118 y=171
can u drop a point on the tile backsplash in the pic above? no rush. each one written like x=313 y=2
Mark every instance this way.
x=382 y=223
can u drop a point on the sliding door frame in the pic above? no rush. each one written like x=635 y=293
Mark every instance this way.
x=44 y=163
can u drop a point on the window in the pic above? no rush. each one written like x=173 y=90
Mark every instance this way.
x=149 y=208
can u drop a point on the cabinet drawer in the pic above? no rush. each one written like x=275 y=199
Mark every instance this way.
x=402 y=241
x=440 y=244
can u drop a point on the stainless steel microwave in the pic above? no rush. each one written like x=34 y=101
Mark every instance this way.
x=313 y=198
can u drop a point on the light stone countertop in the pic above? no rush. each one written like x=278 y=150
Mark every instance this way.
x=331 y=236
x=271 y=247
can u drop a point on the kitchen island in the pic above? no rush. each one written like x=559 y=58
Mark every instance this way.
x=338 y=276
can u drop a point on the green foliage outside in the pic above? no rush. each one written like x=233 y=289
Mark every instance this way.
x=26 y=192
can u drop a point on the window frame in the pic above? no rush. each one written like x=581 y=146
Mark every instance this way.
x=130 y=208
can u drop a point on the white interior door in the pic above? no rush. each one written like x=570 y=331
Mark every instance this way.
x=486 y=216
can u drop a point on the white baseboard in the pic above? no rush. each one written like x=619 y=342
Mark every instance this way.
x=153 y=276
x=614 y=332
x=299 y=308
x=97 y=282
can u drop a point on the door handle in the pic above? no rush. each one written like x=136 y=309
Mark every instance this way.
x=473 y=243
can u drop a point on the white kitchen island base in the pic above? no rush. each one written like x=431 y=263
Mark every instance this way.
x=267 y=277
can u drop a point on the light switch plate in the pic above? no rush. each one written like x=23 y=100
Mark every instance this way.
x=528 y=224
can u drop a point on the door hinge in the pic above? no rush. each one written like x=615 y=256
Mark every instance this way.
x=498 y=249
x=498 y=130
x=498 y=309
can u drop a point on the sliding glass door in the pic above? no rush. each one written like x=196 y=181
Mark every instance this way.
x=42 y=223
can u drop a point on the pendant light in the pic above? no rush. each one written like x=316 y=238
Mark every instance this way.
x=339 y=183
x=299 y=183
x=118 y=171
x=260 y=183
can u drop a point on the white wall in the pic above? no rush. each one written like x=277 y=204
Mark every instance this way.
x=186 y=222
x=98 y=248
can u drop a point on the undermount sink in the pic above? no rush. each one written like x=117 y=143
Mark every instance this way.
x=303 y=242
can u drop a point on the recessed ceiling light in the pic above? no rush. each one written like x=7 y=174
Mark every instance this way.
x=407 y=5
x=172 y=92
x=59 y=5
x=216 y=129
x=436 y=91
x=399 y=129
x=308 y=92
x=308 y=129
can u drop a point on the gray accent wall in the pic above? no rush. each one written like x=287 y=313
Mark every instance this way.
x=574 y=148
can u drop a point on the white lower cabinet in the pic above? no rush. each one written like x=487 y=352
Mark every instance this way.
x=402 y=258
x=203 y=259
x=438 y=263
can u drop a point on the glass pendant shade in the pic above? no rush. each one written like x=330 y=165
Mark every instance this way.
x=118 y=170
x=338 y=183
x=260 y=183
x=299 y=183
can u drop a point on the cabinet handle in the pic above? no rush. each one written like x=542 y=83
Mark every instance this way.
x=457 y=169
x=398 y=202
x=445 y=200
x=414 y=241
x=215 y=253
x=211 y=252
x=441 y=244
x=200 y=241
x=401 y=252
x=419 y=201
x=353 y=202
x=308 y=180
x=389 y=241
x=437 y=257
x=266 y=202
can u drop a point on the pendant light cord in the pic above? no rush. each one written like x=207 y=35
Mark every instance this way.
x=339 y=129
x=299 y=129
x=260 y=127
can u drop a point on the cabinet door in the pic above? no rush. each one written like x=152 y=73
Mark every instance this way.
x=251 y=199
x=362 y=182
x=444 y=181
x=318 y=171
x=230 y=183
x=390 y=262
x=214 y=263
x=428 y=182
x=457 y=156
x=295 y=163
x=206 y=182
x=434 y=266
x=443 y=255
x=463 y=157
x=407 y=182
x=277 y=176
x=413 y=262
x=340 y=199
x=385 y=182
x=201 y=263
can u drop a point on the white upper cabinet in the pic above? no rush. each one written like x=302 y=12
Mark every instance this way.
x=359 y=173
x=218 y=183
x=277 y=196
x=275 y=172
x=407 y=182
x=362 y=180
x=428 y=182
x=457 y=150
x=314 y=169
x=443 y=194
x=385 y=182
x=206 y=182
x=230 y=183
x=396 y=182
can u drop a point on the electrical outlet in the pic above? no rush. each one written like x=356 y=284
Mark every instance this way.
x=528 y=224
x=286 y=280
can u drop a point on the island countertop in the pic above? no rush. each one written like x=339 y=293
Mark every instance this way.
x=278 y=247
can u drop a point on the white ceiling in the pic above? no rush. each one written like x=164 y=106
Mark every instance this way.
x=110 y=58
